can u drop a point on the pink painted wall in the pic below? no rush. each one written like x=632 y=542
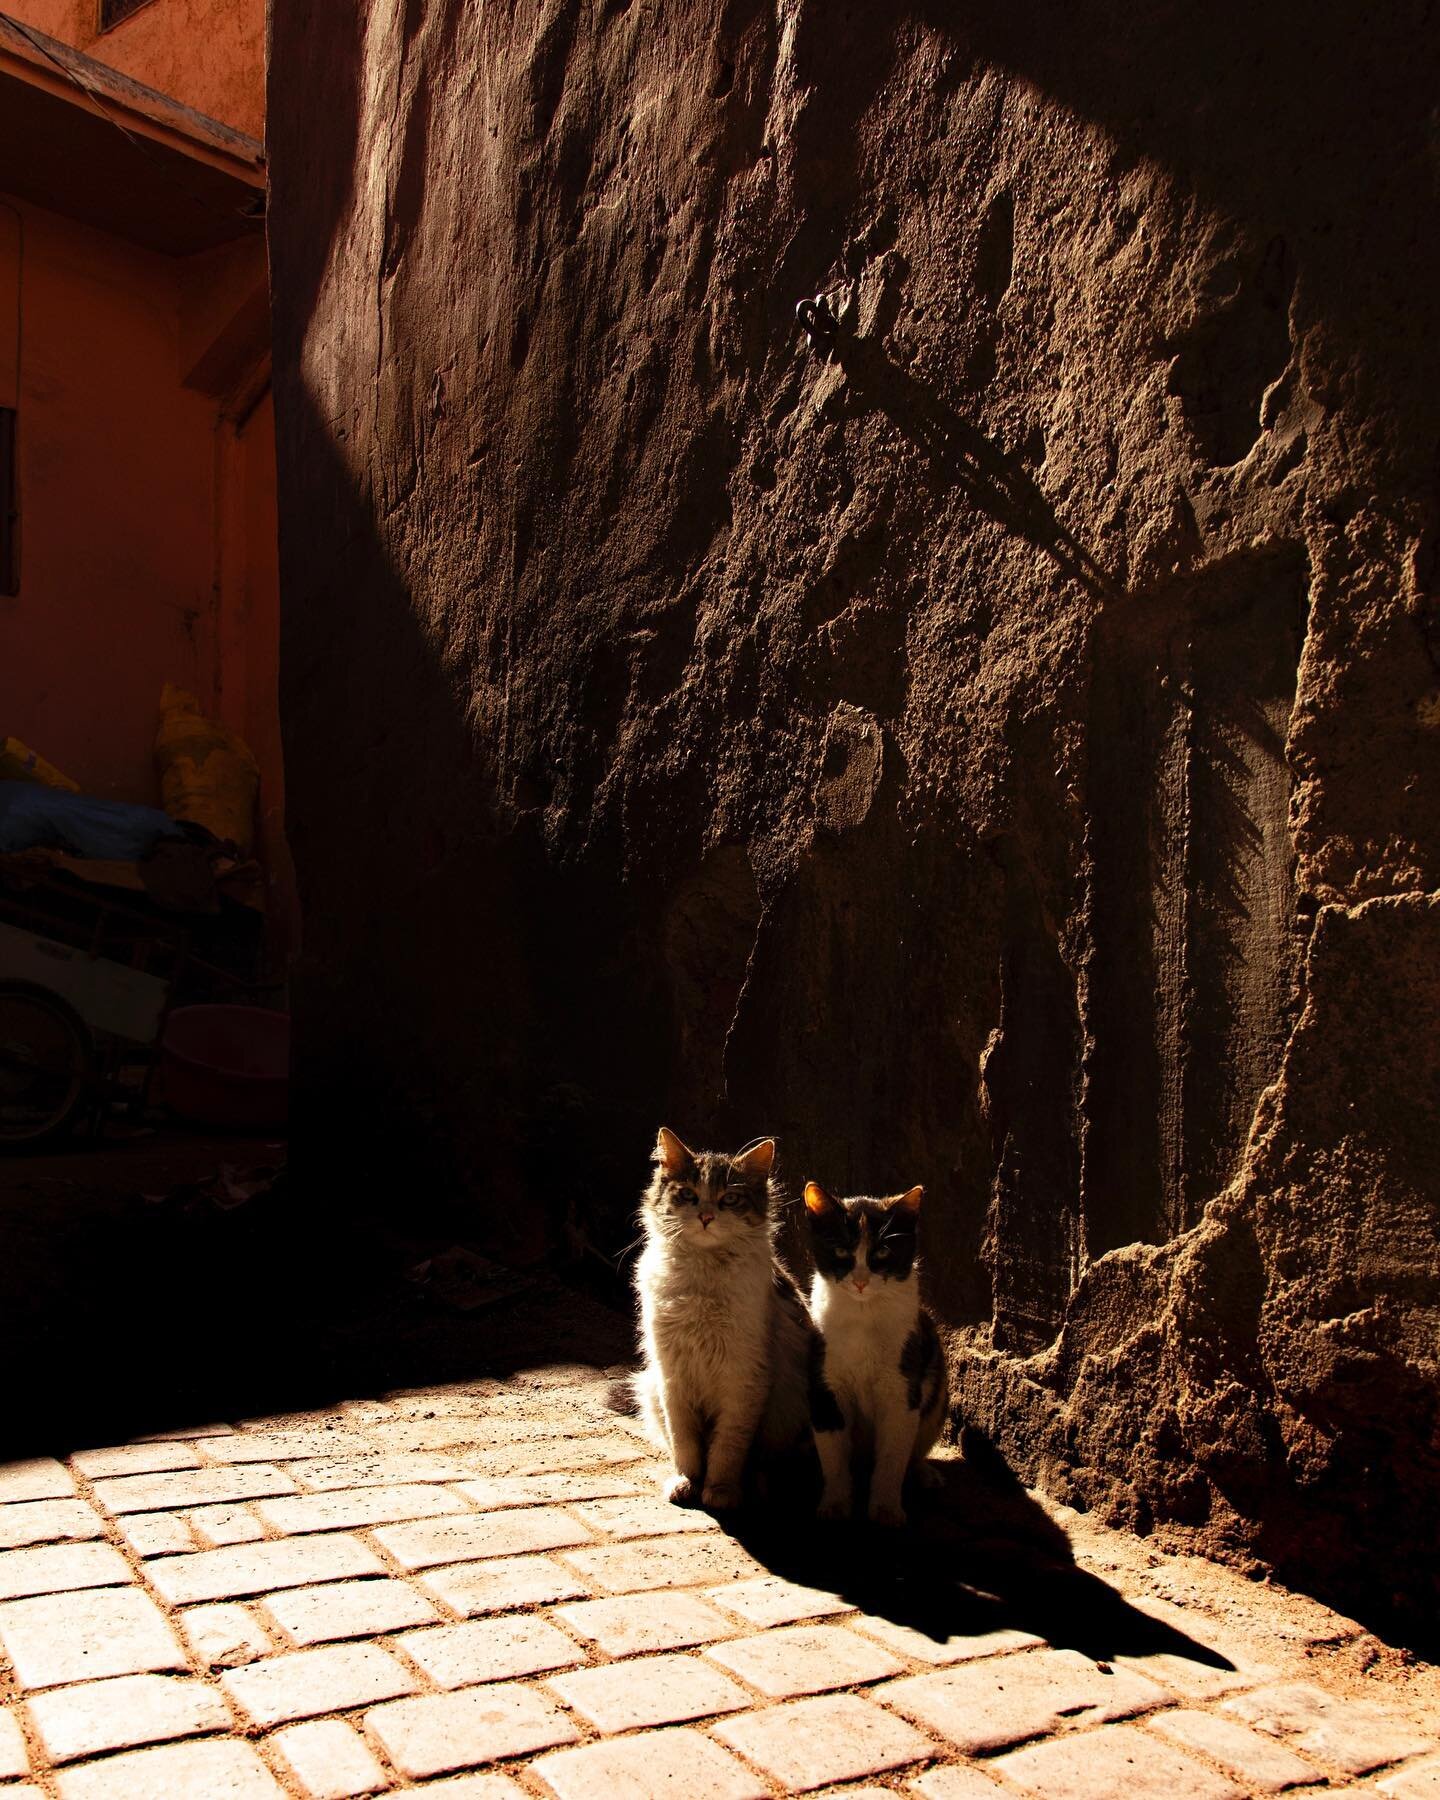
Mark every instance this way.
x=209 y=54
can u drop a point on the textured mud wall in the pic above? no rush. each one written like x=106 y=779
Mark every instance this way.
x=1001 y=753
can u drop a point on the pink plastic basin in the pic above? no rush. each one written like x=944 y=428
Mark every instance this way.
x=227 y=1065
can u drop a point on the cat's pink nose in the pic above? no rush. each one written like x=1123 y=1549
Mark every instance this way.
x=860 y=1286
x=706 y=1219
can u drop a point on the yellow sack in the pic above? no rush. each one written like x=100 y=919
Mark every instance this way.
x=207 y=773
x=18 y=762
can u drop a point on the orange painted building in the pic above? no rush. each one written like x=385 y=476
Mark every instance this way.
x=135 y=387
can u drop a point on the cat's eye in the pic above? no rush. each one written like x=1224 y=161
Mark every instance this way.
x=687 y=1194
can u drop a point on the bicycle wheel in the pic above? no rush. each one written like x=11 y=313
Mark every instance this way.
x=45 y=1065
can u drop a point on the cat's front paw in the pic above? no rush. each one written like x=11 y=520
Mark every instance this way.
x=721 y=1496
x=889 y=1513
x=680 y=1490
x=834 y=1507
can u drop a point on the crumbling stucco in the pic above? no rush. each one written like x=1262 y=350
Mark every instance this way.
x=997 y=750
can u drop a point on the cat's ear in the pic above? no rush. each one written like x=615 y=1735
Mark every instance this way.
x=671 y=1154
x=818 y=1203
x=909 y=1202
x=755 y=1163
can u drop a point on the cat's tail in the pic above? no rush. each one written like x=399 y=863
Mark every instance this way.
x=622 y=1395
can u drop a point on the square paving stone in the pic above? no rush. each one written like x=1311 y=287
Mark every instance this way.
x=807 y=1744
x=60 y=1568
x=805 y=1659
x=13 y=1758
x=771 y=1600
x=635 y=1624
x=919 y=1646
x=252 y=1568
x=1120 y=1760
x=349 y=1609
x=134 y=1459
x=123 y=1714
x=1421 y=1781
x=215 y=1768
x=1350 y=1733
x=650 y=1763
x=642 y=1516
x=47 y=1522
x=1004 y=1700
x=225 y=1636
x=442 y=1732
x=476 y=1787
x=664 y=1563
x=157 y=1534
x=285 y=1446
x=652 y=1690
x=1264 y=1765
x=187 y=1488
x=481 y=1535
x=329 y=1760
x=490 y=1650
x=87 y=1635
x=557 y=1489
x=355 y=1508
x=38 y=1478
x=309 y=1682
x=960 y=1783
x=215 y=1526
x=512 y=1581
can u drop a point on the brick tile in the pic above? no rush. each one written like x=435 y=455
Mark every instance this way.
x=679 y=1562
x=379 y=1469
x=960 y=1783
x=26 y=1790
x=490 y=1650
x=329 y=1760
x=134 y=1459
x=653 y=1762
x=1003 y=1700
x=651 y=1690
x=39 y=1478
x=191 y=1487
x=443 y=1732
x=472 y=1787
x=454 y=1432
x=486 y=1587
x=226 y=1636
x=480 y=1535
x=252 y=1568
x=47 y=1522
x=85 y=1636
x=810 y=1743
x=308 y=1682
x=1352 y=1734
x=285 y=1446
x=919 y=1646
x=1421 y=1781
x=771 y=1600
x=13 y=1758
x=1098 y=1765
x=805 y=1659
x=644 y=1515
x=218 y=1768
x=218 y=1525
x=156 y=1534
x=349 y=1609
x=632 y=1624
x=1264 y=1765
x=357 y=1507
x=559 y=1489
x=59 y=1568
x=123 y=1714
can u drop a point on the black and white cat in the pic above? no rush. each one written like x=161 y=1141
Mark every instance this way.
x=724 y=1331
x=879 y=1386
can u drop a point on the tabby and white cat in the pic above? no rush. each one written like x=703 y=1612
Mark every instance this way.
x=724 y=1331
x=879 y=1386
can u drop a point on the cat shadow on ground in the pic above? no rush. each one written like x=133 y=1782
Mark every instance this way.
x=979 y=1556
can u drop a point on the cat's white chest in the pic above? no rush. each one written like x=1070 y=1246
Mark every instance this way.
x=863 y=1343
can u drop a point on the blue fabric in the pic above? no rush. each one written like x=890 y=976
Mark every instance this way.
x=44 y=818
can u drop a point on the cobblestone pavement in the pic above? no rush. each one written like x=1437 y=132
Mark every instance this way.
x=475 y=1592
